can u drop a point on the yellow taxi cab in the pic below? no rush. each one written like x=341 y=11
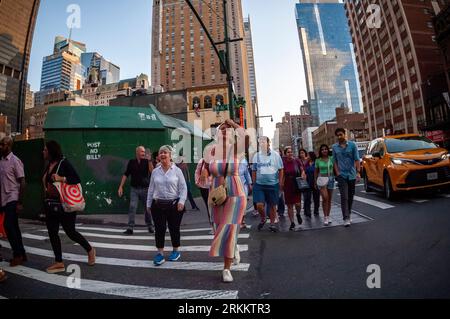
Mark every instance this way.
x=403 y=163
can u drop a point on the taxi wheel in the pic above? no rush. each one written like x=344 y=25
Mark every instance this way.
x=388 y=192
x=367 y=187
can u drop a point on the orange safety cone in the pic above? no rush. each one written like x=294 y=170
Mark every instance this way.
x=2 y=229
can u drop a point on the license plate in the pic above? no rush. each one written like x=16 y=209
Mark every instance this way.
x=432 y=176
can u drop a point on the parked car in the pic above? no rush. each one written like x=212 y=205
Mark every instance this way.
x=404 y=163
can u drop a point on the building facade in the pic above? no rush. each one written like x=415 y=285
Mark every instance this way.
x=182 y=57
x=63 y=69
x=29 y=97
x=98 y=94
x=107 y=72
x=437 y=89
x=35 y=117
x=396 y=56
x=248 y=38
x=16 y=37
x=205 y=108
x=353 y=123
x=291 y=129
x=328 y=57
x=324 y=135
x=307 y=139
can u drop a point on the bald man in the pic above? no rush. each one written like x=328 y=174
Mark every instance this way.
x=140 y=170
x=12 y=186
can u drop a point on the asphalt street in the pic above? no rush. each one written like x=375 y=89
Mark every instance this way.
x=408 y=238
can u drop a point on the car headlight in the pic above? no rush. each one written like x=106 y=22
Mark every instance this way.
x=398 y=161
x=445 y=156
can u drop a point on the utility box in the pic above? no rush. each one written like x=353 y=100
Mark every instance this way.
x=99 y=142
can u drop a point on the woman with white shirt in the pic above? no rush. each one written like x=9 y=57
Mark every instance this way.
x=166 y=197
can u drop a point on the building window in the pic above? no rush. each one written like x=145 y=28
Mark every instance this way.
x=208 y=102
x=219 y=99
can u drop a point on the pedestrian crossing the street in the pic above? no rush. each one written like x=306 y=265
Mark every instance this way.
x=112 y=252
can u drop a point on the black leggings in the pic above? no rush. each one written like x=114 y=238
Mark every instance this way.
x=164 y=215
x=67 y=220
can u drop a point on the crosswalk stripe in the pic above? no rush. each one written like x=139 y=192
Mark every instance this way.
x=201 y=248
x=122 y=290
x=203 y=266
x=373 y=202
x=204 y=237
x=36 y=237
x=420 y=201
x=138 y=231
x=242 y=248
x=1 y=297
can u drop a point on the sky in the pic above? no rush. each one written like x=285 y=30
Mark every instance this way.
x=121 y=32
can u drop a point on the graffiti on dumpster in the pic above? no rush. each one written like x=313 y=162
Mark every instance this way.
x=93 y=153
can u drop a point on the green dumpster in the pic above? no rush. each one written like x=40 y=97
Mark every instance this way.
x=99 y=141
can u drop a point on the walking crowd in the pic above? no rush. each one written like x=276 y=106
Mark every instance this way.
x=224 y=177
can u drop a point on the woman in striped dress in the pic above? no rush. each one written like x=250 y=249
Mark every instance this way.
x=229 y=216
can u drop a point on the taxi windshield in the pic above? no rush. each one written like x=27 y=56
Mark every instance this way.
x=406 y=144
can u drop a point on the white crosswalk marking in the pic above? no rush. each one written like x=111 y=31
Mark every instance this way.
x=138 y=231
x=154 y=249
x=196 y=260
x=1 y=297
x=373 y=202
x=204 y=266
x=203 y=248
x=183 y=238
x=130 y=291
x=420 y=201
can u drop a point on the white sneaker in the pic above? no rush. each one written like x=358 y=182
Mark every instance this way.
x=326 y=223
x=226 y=276
x=330 y=220
x=347 y=223
x=237 y=256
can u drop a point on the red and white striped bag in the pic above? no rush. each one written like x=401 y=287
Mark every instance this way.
x=72 y=199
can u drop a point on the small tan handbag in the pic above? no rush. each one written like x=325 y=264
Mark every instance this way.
x=218 y=196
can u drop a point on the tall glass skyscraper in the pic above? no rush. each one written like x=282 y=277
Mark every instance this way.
x=328 y=56
x=63 y=69
x=108 y=72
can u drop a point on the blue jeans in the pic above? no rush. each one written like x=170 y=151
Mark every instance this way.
x=138 y=195
x=11 y=224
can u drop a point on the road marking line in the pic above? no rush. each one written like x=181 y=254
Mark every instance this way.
x=200 y=248
x=373 y=202
x=419 y=201
x=242 y=248
x=138 y=231
x=205 y=237
x=203 y=266
x=445 y=195
x=130 y=291
x=1 y=297
x=36 y=237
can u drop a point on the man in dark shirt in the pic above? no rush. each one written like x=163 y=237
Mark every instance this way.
x=140 y=170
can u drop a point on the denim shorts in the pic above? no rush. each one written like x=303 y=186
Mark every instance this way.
x=266 y=194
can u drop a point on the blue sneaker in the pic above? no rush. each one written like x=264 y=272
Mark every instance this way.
x=174 y=256
x=159 y=260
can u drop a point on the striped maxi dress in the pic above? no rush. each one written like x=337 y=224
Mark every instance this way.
x=228 y=217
